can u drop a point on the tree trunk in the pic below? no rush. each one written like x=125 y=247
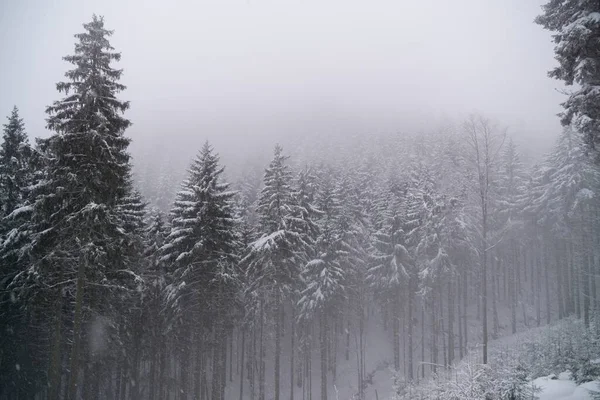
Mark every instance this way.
x=547 y=287
x=434 y=333
x=77 y=320
x=465 y=293
x=243 y=352
x=277 y=345
x=396 y=324
x=496 y=322
x=450 y=321
x=323 y=348
x=410 y=334
x=261 y=373
x=513 y=292
x=217 y=359
x=55 y=372
x=585 y=283
x=198 y=363
x=484 y=289
x=423 y=339
x=459 y=290
x=292 y=351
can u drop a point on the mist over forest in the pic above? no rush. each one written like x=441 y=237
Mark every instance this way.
x=262 y=200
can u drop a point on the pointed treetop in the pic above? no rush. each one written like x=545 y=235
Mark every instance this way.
x=15 y=128
x=91 y=87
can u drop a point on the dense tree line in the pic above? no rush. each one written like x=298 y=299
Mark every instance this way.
x=259 y=288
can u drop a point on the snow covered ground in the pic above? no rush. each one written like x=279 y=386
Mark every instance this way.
x=563 y=388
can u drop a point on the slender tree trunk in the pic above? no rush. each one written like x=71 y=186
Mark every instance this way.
x=277 y=346
x=465 y=293
x=484 y=289
x=396 y=324
x=496 y=322
x=585 y=278
x=135 y=362
x=423 y=339
x=547 y=285
x=223 y=364
x=323 y=348
x=55 y=372
x=118 y=374
x=434 y=333
x=538 y=286
x=410 y=334
x=198 y=363
x=451 y=294
x=348 y=340
x=154 y=355
x=231 y=356
x=184 y=364
x=124 y=378
x=252 y=361
x=243 y=352
x=302 y=349
x=77 y=321
x=261 y=374
x=162 y=366
x=513 y=293
x=576 y=280
x=218 y=361
x=459 y=314
x=292 y=351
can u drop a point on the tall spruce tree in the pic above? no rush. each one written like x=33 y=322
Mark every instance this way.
x=15 y=167
x=77 y=236
x=274 y=259
x=576 y=27
x=17 y=346
x=201 y=250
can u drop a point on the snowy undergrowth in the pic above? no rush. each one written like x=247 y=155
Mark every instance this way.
x=520 y=367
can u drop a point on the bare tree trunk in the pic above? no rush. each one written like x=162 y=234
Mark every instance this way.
x=423 y=339
x=243 y=352
x=396 y=324
x=484 y=293
x=465 y=289
x=261 y=374
x=198 y=364
x=496 y=322
x=451 y=294
x=184 y=385
x=585 y=280
x=277 y=345
x=323 y=349
x=77 y=320
x=348 y=340
x=410 y=334
x=124 y=378
x=55 y=372
x=459 y=314
x=538 y=286
x=547 y=286
x=513 y=292
x=153 y=361
x=434 y=333
x=292 y=351
x=231 y=355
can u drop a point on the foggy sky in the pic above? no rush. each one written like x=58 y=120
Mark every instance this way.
x=246 y=72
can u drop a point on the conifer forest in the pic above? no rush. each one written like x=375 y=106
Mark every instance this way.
x=446 y=263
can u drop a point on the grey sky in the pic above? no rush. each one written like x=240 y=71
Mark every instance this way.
x=239 y=71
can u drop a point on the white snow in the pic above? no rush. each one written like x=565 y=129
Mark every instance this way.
x=20 y=210
x=562 y=388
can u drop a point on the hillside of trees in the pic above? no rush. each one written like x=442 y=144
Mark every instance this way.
x=291 y=280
